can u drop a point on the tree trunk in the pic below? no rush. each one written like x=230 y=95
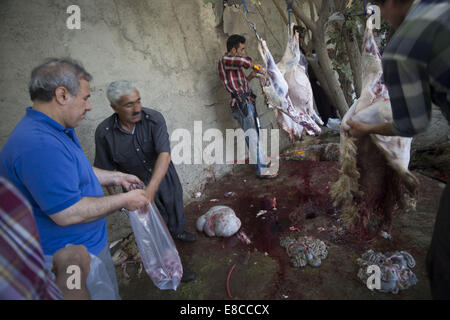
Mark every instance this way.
x=333 y=84
x=321 y=77
x=354 y=57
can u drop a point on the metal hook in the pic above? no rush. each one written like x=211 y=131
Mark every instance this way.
x=252 y=24
x=364 y=13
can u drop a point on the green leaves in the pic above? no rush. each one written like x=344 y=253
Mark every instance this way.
x=343 y=69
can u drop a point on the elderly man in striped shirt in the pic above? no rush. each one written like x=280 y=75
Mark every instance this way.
x=242 y=101
x=416 y=68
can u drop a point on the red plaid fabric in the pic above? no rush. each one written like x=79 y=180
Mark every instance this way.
x=22 y=271
x=233 y=77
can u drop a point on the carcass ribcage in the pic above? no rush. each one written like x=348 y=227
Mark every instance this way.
x=300 y=92
x=292 y=128
x=276 y=90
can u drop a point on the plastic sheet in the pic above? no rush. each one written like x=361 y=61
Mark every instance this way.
x=98 y=282
x=156 y=247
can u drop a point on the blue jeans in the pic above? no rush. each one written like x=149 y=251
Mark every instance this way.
x=246 y=123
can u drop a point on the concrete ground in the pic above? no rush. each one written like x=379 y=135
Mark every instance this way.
x=262 y=269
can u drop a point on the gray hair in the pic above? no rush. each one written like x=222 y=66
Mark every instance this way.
x=117 y=90
x=54 y=73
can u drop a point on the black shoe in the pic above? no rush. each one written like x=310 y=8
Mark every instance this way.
x=188 y=275
x=186 y=236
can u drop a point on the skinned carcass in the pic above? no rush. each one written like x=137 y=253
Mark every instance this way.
x=276 y=92
x=374 y=180
x=294 y=72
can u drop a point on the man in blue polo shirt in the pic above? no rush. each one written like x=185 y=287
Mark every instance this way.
x=44 y=160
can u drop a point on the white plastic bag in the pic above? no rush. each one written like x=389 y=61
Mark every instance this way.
x=156 y=247
x=334 y=124
x=98 y=282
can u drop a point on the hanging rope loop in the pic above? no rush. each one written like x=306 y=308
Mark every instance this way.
x=245 y=6
x=364 y=13
x=251 y=23
x=289 y=10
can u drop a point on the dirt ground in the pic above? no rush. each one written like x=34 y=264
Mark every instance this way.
x=262 y=269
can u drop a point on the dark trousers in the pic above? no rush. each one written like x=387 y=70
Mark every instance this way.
x=169 y=201
x=438 y=258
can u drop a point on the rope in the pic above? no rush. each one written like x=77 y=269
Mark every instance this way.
x=289 y=9
x=364 y=13
x=245 y=6
x=251 y=23
x=268 y=27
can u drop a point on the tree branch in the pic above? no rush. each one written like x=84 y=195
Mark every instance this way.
x=320 y=77
x=354 y=58
x=311 y=10
x=304 y=18
x=341 y=5
x=324 y=12
x=283 y=15
x=318 y=5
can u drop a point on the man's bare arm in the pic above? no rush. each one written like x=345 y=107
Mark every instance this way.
x=116 y=178
x=161 y=166
x=251 y=76
x=106 y=178
x=89 y=209
x=359 y=129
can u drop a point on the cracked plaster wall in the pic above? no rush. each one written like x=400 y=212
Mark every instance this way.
x=169 y=49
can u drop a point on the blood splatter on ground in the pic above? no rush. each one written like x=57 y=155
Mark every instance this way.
x=303 y=207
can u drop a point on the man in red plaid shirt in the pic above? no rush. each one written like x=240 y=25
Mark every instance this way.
x=230 y=69
x=242 y=101
x=22 y=271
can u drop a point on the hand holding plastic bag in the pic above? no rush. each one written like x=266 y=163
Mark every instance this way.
x=156 y=247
